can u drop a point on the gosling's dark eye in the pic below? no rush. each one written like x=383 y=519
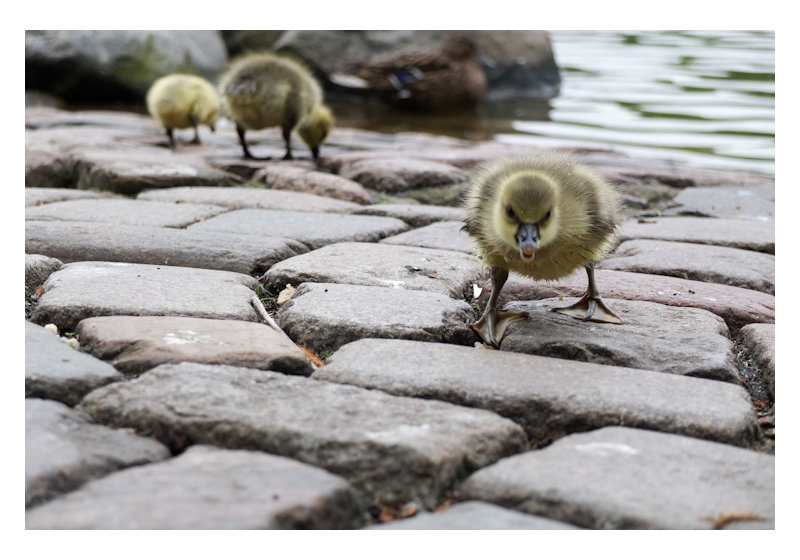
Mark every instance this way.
x=547 y=216
x=510 y=213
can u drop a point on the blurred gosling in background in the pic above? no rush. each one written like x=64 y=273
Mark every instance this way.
x=183 y=101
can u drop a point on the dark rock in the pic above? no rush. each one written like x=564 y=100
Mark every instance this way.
x=375 y=264
x=625 y=478
x=54 y=370
x=546 y=396
x=241 y=41
x=64 y=448
x=705 y=263
x=399 y=447
x=323 y=317
x=135 y=344
x=313 y=229
x=207 y=488
x=656 y=337
x=85 y=241
x=92 y=289
x=48 y=169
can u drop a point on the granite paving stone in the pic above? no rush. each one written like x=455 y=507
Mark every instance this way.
x=37 y=269
x=47 y=169
x=760 y=342
x=207 y=488
x=54 y=370
x=89 y=241
x=705 y=263
x=475 y=515
x=94 y=289
x=124 y=211
x=64 y=448
x=548 y=397
x=627 y=478
x=753 y=202
x=402 y=448
x=313 y=229
x=133 y=170
x=376 y=264
x=439 y=235
x=737 y=306
x=679 y=340
x=237 y=198
x=279 y=176
x=751 y=235
x=415 y=215
x=38 y=196
x=323 y=317
x=396 y=174
x=135 y=344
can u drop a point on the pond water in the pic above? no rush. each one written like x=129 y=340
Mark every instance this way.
x=705 y=98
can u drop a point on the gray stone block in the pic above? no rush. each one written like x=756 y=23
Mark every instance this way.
x=374 y=264
x=207 y=488
x=548 y=397
x=236 y=198
x=35 y=196
x=475 y=515
x=753 y=202
x=706 y=263
x=37 y=269
x=323 y=317
x=398 y=174
x=93 y=289
x=751 y=235
x=289 y=176
x=118 y=211
x=656 y=337
x=625 y=478
x=439 y=235
x=415 y=215
x=86 y=241
x=399 y=447
x=760 y=341
x=64 y=449
x=54 y=370
x=136 y=344
x=313 y=229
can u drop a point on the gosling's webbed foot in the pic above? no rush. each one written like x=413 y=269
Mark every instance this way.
x=590 y=309
x=492 y=326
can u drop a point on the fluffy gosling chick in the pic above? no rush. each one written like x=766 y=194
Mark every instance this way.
x=183 y=101
x=541 y=217
x=263 y=89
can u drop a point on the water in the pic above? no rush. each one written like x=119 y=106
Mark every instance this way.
x=704 y=98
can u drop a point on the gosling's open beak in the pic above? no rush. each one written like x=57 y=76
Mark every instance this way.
x=527 y=241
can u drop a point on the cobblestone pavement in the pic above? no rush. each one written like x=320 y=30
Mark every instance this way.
x=219 y=343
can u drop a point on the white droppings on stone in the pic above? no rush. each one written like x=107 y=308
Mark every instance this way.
x=604 y=449
x=52 y=328
x=395 y=284
x=186 y=337
x=169 y=169
x=404 y=431
x=710 y=298
x=286 y=294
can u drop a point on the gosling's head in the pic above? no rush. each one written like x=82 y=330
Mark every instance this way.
x=315 y=129
x=526 y=212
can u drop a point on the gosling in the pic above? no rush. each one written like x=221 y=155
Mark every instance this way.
x=542 y=217
x=183 y=101
x=260 y=90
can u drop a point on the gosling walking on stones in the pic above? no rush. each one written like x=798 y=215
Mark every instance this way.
x=542 y=217
x=261 y=90
x=183 y=101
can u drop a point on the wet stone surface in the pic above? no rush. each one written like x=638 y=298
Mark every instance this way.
x=92 y=289
x=64 y=448
x=207 y=488
x=314 y=230
x=625 y=478
x=123 y=211
x=54 y=370
x=87 y=241
x=705 y=263
x=323 y=317
x=135 y=344
x=374 y=264
x=400 y=447
x=548 y=397
x=656 y=337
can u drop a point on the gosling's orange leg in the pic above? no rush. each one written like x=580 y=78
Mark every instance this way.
x=493 y=324
x=590 y=307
